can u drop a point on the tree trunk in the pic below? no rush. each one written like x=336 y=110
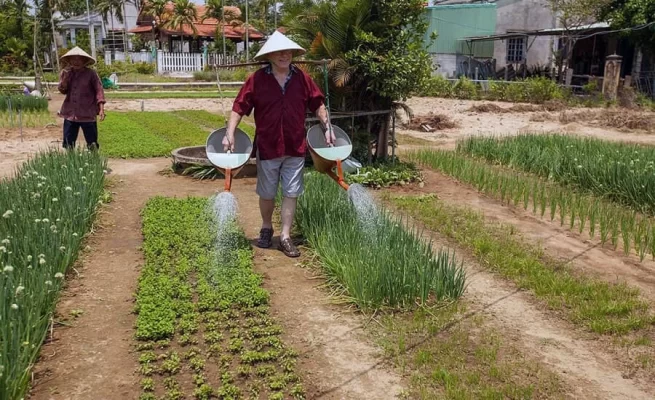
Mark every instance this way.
x=37 y=77
x=54 y=40
x=382 y=150
x=125 y=47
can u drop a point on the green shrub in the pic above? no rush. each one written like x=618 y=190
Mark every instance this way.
x=497 y=91
x=50 y=77
x=206 y=76
x=540 y=90
x=515 y=92
x=437 y=86
x=465 y=89
x=145 y=68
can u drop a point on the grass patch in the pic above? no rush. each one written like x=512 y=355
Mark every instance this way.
x=203 y=320
x=201 y=94
x=171 y=128
x=449 y=357
x=122 y=137
x=30 y=119
x=409 y=140
x=45 y=211
x=597 y=306
x=154 y=134
x=212 y=121
x=374 y=259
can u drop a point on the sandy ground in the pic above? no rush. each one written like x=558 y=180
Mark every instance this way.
x=473 y=123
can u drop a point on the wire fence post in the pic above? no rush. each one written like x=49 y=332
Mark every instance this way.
x=20 y=123
x=11 y=115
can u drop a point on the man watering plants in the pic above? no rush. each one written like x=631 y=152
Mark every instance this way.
x=280 y=94
x=85 y=98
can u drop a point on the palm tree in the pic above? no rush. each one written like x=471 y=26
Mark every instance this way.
x=184 y=13
x=159 y=13
x=229 y=15
x=329 y=32
x=111 y=9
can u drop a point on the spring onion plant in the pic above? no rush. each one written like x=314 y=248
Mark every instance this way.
x=376 y=259
x=45 y=211
x=607 y=220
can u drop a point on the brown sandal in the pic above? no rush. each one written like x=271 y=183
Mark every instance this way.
x=288 y=248
x=265 y=238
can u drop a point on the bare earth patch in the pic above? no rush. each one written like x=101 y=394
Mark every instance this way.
x=431 y=122
x=510 y=123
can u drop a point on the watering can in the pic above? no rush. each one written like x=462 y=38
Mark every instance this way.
x=327 y=157
x=229 y=163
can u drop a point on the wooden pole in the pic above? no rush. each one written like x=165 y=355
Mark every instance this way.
x=310 y=62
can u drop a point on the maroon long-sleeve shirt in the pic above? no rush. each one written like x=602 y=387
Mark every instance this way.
x=84 y=93
x=279 y=112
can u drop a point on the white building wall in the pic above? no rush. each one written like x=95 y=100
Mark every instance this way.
x=447 y=64
x=525 y=15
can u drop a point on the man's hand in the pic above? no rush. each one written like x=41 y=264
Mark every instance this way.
x=101 y=114
x=329 y=135
x=228 y=142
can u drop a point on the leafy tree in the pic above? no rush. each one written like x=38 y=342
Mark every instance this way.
x=633 y=13
x=573 y=17
x=377 y=52
x=71 y=8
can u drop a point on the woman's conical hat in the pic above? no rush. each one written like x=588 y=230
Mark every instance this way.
x=277 y=42
x=76 y=51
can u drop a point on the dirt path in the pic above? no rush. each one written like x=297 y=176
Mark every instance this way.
x=590 y=371
x=583 y=253
x=336 y=357
x=473 y=123
x=92 y=358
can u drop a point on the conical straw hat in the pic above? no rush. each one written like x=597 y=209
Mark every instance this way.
x=76 y=51
x=277 y=42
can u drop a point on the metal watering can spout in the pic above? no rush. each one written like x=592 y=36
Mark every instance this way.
x=227 y=162
x=327 y=157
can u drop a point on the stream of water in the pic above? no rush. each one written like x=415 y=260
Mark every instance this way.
x=367 y=211
x=224 y=208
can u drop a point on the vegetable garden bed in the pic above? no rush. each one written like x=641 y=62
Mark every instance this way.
x=606 y=219
x=373 y=259
x=203 y=319
x=46 y=211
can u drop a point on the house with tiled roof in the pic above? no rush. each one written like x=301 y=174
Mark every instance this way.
x=187 y=40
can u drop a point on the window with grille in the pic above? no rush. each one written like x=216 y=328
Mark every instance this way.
x=515 y=50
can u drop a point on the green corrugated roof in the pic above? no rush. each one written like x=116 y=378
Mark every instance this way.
x=456 y=21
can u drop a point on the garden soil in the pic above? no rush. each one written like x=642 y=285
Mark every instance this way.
x=92 y=356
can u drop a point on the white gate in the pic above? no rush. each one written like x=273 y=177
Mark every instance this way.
x=179 y=62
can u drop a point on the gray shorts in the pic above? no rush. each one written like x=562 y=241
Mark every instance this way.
x=287 y=169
